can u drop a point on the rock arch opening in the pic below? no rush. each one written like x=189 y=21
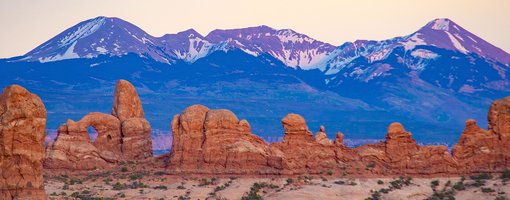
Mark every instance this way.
x=92 y=133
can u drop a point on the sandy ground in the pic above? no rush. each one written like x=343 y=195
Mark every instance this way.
x=158 y=185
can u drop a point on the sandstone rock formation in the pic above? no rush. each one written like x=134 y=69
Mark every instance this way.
x=124 y=135
x=305 y=154
x=22 y=132
x=215 y=141
x=399 y=154
x=480 y=150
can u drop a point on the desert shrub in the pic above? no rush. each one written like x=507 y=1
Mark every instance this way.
x=329 y=172
x=487 y=190
x=204 y=182
x=434 y=184
x=161 y=187
x=118 y=186
x=136 y=185
x=345 y=183
x=75 y=194
x=124 y=169
x=159 y=173
x=376 y=195
x=181 y=187
x=483 y=176
x=290 y=181
x=478 y=183
x=384 y=190
x=219 y=188
x=75 y=181
x=380 y=182
x=505 y=174
x=136 y=176
x=370 y=165
x=459 y=186
x=501 y=198
x=253 y=194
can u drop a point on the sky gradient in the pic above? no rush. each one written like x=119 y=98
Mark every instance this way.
x=25 y=24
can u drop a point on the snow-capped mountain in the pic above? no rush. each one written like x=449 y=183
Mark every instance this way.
x=440 y=74
x=188 y=45
x=292 y=48
x=439 y=33
x=98 y=36
x=116 y=37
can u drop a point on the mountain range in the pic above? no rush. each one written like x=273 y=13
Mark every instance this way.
x=431 y=80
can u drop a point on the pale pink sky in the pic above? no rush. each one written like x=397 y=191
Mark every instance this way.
x=26 y=24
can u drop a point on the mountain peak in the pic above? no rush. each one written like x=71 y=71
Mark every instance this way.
x=441 y=24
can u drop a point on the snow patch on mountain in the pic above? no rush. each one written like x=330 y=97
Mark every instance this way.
x=83 y=31
x=441 y=24
x=413 y=41
x=456 y=43
x=423 y=53
x=68 y=54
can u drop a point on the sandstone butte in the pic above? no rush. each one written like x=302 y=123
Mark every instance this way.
x=216 y=142
x=123 y=135
x=22 y=132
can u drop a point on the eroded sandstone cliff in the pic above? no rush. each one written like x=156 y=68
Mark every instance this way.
x=22 y=132
x=216 y=142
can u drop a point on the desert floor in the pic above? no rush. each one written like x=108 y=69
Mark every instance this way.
x=130 y=183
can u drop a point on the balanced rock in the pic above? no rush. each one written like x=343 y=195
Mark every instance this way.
x=295 y=128
x=22 y=133
x=321 y=137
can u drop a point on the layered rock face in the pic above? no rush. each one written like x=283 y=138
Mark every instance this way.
x=216 y=141
x=22 y=132
x=399 y=154
x=124 y=135
x=480 y=150
x=304 y=153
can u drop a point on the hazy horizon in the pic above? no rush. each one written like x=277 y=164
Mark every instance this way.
x=27 y=24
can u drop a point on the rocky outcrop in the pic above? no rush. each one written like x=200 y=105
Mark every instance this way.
x=480 y=150
x=126 y=103
x=304 y=153
x=216 y=141
x=124 y=135
x=73 y=148
x=400 y=154
x=22 y=132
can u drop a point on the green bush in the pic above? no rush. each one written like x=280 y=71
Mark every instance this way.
x=487 y=190
x=483 y=176
x=459 y=186
x=161 y=187
x=505 y=174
